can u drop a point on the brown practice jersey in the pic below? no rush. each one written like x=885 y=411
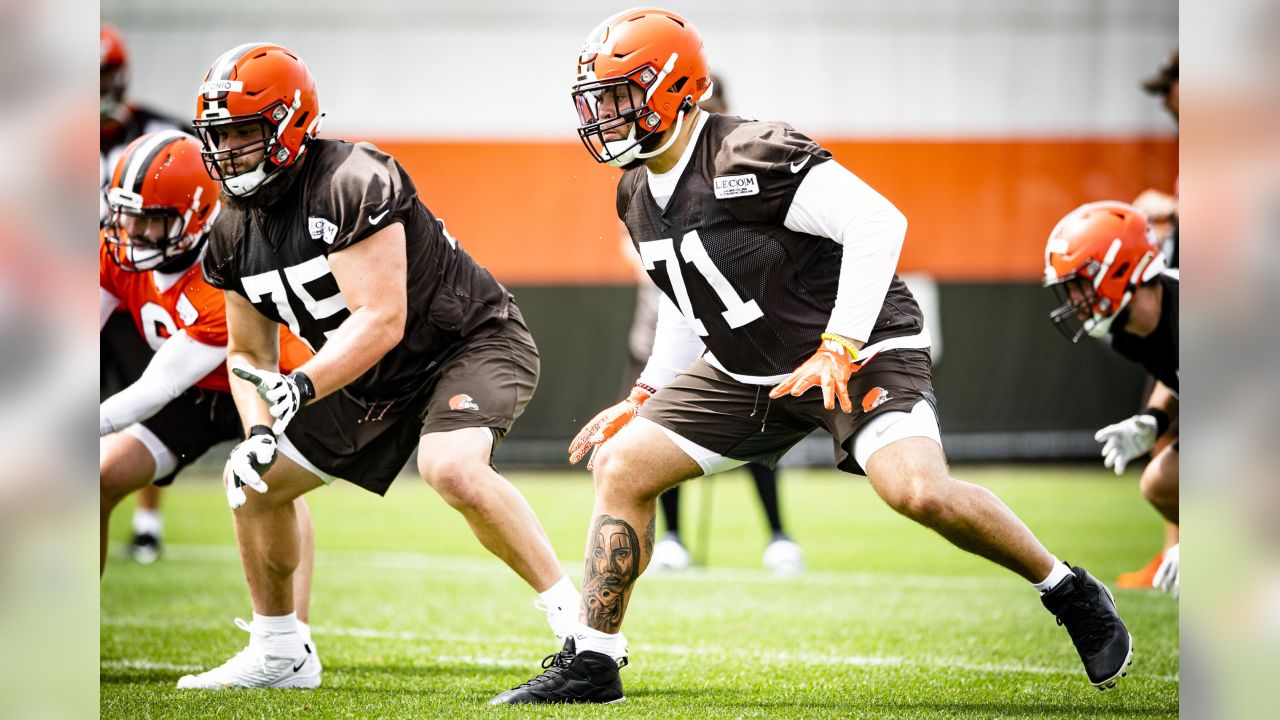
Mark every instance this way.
x=277 y=259
x=758 y=293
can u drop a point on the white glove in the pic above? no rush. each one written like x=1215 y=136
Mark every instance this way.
x=249 y=460
x=1126 y=440
x=284 y=394
x=1166 y=578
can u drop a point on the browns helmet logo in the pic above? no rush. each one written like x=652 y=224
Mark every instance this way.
x=874 y=398
x=463 y=401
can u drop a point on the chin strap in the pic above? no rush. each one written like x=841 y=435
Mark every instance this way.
x=685 y=106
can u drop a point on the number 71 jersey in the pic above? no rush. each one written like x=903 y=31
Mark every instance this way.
x=757 y=293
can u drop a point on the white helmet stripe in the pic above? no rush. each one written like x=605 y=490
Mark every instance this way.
x=221 y=68
x=139 y=159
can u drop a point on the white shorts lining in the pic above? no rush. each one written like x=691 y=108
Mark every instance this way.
x=285 y=447
x=165 y=459
x=889 y=427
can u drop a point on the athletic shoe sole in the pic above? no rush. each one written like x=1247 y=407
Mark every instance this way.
x=1124 y=670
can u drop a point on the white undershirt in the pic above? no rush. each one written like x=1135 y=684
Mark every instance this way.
x=834 y=203
x=663 y=185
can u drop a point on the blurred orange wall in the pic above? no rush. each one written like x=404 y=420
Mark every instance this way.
x=542 y=213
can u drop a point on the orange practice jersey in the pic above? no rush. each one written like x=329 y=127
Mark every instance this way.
x=190 y=304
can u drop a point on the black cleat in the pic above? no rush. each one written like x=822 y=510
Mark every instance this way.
x=1087 y=609
x=570 y=677
x=144 y=548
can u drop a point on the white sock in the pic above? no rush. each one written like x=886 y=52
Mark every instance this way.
x=561 y=597
x=305 y=631
x=614 y=645
x=1059 y=571
x=147 y=521
x=277 y=634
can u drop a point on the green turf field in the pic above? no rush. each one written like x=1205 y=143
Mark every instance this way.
x=413 y=619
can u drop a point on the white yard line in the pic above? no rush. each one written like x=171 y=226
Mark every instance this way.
x=148 y=665
x=779 y=657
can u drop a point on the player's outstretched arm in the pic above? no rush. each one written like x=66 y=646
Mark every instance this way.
x=179 y=363
x=371 y=275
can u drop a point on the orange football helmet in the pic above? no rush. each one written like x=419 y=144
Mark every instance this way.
x=162 y=204
x=256 y=113
x=113 y=77
x=639 y=71
x=1095 y=258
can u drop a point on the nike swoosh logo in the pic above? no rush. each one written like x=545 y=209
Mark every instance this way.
x=885 y=429
x=797 y=167
x=375 y=219
x=304 y=662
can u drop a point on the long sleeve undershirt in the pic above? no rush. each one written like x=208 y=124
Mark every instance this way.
x=179 y=363
x=834 y=203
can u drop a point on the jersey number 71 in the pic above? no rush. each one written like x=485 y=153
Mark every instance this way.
x=738 y=312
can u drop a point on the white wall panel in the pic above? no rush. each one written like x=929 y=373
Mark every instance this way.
x=501 y=68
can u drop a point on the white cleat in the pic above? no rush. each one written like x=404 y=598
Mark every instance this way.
x=784 y=557
x=252 y=667
x=669 y=554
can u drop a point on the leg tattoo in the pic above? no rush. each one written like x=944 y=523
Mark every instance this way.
x=613 y=564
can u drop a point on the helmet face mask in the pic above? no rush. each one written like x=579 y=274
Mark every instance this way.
x=112 y=81
x=1076 y=313
x=236 y=151
x=609 y=114
x=149 y=239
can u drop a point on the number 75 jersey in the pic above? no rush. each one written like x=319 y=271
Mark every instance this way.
x=278 y=259
x=758 y=293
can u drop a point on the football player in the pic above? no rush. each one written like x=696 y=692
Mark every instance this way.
x=162 y=207
x=782 y=555
x=1103 y=262
x=777 y=267
x=123 y=353
x=417 y=346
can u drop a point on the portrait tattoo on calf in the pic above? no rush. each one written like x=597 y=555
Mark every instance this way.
x=613 y=564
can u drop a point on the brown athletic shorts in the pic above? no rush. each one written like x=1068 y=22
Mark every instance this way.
x=486 y=382
x=740 y=421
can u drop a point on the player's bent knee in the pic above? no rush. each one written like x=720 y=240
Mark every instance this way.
x=623 y=474
x=458 y=480
x=924 y=505
x=923 y=497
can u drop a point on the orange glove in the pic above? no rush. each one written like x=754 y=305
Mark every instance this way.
x=829 y=368
x=606 y=424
